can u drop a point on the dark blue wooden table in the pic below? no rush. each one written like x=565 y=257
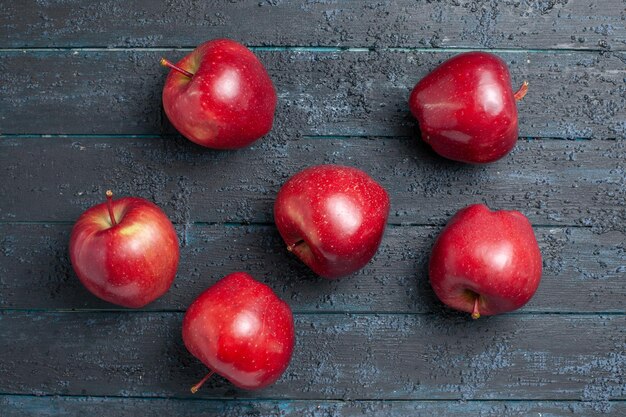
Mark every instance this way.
x=80 y=112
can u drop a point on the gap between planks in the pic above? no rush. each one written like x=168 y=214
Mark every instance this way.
x=270 y=224
x=121 y=136
x=315 y=49
x=312 y=400
x=306 y=313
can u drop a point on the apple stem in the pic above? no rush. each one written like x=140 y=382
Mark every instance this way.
x=291 y=247
x=168 y=64
x=521 y=93
x=109 y=195
x=475 y=312
x=196 y=387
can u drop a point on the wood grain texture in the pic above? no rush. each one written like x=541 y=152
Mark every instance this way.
x=25 y=406
x=583 y=271
x=554 y=24
x=551 y=182
x=556 y=357
x=572 y=94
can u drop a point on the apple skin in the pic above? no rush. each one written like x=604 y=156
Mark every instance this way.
x=490 y=254
x=332 y=217
x=129 y=264
x=228 y=103
x=466 y=108
x=241 y=330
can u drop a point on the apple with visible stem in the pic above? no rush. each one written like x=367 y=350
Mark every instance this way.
x=466 y=108
x=220 y=95
x=332 y=217
x=125 y=251
x=240 y=330
x=485 y=262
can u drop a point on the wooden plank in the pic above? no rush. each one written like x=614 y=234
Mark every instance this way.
x=583 y=271
x=554 y=357
x=572 y=95
x=583 y=24
x=552 y=182
x=27 y=406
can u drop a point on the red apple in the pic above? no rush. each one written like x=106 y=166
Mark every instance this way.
x=332 y=217
x=220 y=95
x=125 y=251
x=241 y=330
x=466 y=108
x=485 y=262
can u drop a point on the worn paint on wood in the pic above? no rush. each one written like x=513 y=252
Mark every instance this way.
x=20 y=406
x=583 y=271
x=437 y=356
x=552 y=182
x=572 y=94
x=554 y=24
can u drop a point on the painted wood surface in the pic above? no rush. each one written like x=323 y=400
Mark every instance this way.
x=583 y=271
x=80 y=112
x=19 y=406
x=572 y=94
x=553 y=182
x=534 y=24
x=347 y=356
